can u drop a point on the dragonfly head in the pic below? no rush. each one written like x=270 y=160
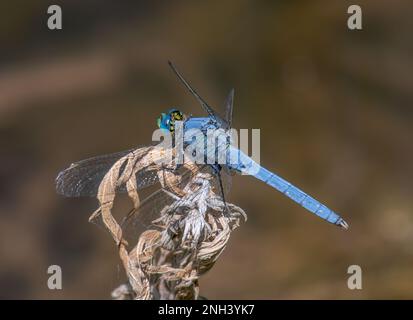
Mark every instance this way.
x=167 y=120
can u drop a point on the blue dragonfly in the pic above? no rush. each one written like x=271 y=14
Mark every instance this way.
x=243 y=163
x=84 y=177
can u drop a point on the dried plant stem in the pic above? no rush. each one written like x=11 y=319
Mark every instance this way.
x=189 y=236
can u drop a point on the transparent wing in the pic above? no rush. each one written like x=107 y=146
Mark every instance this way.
x=149 y=211
x=144 y=217
x=229 y=106
x=83 y=178
x=201 y=101
x=208 y=109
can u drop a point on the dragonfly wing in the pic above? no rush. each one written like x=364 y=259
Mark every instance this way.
x=149 y=210
x=165 y=206
x=229 y=106
x=141 y=219
x=208 y=109
x=83 y=178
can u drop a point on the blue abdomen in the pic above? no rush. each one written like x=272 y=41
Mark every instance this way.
x=245 y=165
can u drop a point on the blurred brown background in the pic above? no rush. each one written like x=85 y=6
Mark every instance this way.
x=333 y=105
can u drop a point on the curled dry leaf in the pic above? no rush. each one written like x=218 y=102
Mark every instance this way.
x=190 y=234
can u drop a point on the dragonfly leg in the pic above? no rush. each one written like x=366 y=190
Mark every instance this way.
x=217 y=169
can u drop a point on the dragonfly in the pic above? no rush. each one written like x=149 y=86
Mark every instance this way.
x=84 y=177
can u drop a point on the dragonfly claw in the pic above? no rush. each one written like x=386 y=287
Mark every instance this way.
x=343 y=224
